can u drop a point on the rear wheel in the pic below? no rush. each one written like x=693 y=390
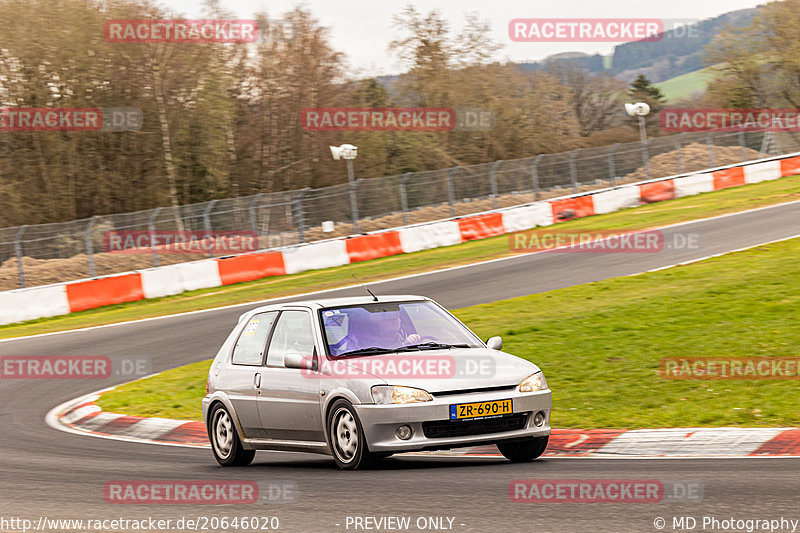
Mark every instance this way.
x=523 y=451
x=346 y=437
x=225 y=442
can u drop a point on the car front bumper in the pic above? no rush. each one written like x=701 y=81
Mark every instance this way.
x=380 y=422
x=206 y=404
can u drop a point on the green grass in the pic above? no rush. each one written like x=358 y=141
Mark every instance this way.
x=663 y=213
x=685 y=85
x=172 y=394
x=600 y=344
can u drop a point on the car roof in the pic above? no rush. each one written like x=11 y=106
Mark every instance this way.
x=321 y=303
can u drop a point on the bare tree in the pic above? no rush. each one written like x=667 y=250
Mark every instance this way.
x=596 y=99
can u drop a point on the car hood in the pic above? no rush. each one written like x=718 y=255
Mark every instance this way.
x=441 y=370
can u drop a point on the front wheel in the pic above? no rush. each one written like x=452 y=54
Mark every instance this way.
x=225 y=443
x=523 y=451
x=346 y=437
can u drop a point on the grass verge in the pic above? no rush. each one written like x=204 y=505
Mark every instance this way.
x=600 y=345
x=686 y=85
x=648 y=216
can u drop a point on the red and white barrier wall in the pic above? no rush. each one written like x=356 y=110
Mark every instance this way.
x=53 y=300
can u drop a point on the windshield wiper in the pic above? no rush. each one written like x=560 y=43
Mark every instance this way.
x=431 y=346
x=377 y=350
x=374 y=350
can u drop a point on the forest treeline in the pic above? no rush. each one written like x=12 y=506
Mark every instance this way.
x=223 y=120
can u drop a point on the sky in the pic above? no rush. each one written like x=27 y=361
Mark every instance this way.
x=362 y=29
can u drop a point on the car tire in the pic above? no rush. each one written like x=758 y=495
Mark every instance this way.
x=225 y=442
x=346 y=437
x=523 y=451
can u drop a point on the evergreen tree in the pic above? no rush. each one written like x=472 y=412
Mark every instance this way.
x=642 y=89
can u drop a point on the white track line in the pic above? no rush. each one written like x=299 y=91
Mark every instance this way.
x=690 y=261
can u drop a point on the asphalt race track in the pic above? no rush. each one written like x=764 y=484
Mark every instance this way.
x=45 y=472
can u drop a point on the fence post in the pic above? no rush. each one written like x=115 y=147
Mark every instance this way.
x=354 y=204
x=535 y=176
x=404 y=197
x=573 y=169
x=766 y=142
x=451 y=191
x=612 y=167
x=251 y=210
x=678 y=153
x=710 y=145
x=18 y=251
x=207 y=216
x=89 y=247
x=151 y=227
x=299 y=214
x=207 y=222
x=741 y=146
x=493 y=182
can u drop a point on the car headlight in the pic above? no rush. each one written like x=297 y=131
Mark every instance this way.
x=389 y=394
x=533 y=383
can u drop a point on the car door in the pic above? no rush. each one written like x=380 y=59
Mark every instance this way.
x=244 y=371
x=289 y=398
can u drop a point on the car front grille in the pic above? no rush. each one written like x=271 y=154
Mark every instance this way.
x=470 y=391
x=463 y=428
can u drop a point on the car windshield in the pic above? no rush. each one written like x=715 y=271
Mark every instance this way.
x=376 y=328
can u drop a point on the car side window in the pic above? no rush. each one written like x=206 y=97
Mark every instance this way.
x=293 y=333
x=249 y=348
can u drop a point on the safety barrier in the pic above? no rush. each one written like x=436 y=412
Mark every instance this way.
x=37 y=302
x=89 y=294
x=248 y=267
x=53 y=300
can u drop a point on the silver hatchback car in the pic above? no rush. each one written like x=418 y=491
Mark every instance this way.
x=364 y=378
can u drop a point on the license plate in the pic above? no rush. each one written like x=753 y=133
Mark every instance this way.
x=480 y=409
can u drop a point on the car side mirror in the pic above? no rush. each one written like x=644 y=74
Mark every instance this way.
x=494 y=343
x=295 y=360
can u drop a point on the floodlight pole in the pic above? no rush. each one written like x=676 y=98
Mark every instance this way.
x=643 y=137
x=350 y=173
x=348 y=152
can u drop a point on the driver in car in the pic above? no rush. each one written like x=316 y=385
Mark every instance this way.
x=377 y=330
